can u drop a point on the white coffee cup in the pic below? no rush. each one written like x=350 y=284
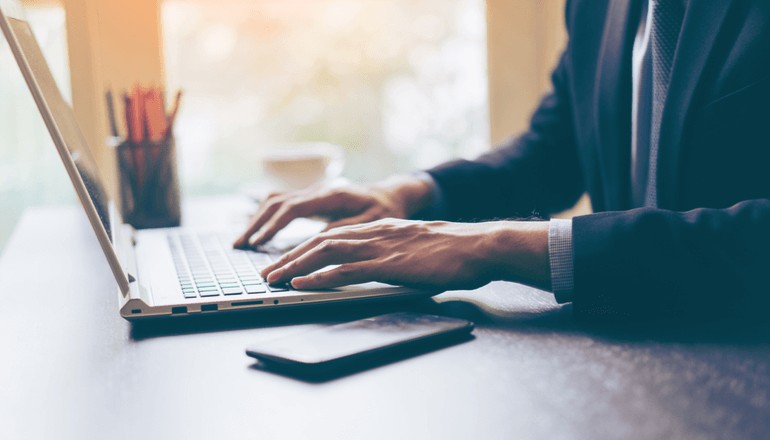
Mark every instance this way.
x=300 y=165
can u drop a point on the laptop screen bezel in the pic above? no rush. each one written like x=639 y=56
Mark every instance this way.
x=11 y=9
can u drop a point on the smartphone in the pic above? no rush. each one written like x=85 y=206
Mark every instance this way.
x=380 y=338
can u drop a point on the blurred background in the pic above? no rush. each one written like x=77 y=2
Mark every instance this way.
x=399 y=84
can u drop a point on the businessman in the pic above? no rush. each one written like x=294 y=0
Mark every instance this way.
x=660 y=110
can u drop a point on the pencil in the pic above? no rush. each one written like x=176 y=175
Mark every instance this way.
x=111 y=113
x=173 y=113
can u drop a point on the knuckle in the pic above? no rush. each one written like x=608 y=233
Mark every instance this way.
x=333 y=232
x=308 y=246
x=334 y=246
x=315 y=277
x=370 y=245
x=334 y=229
x=346 y=270
x=327 y=246
x=285 y=260
x=325 y=236
x=271 y=209
x=289 y=207
x=275 y=202
x=290 y=266
x=341 y=229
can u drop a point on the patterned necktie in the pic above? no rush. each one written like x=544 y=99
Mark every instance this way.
x=667 y=17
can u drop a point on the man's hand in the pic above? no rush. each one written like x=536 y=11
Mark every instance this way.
x=398 y=197
x=431 y=255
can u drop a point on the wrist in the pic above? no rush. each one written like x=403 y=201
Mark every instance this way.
x=410 y=193
x=518 y=252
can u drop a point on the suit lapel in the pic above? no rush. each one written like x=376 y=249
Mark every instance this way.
x=613 y=101
x=700 y=29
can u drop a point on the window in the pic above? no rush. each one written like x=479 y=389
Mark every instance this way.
x=400 y=84
x=30 y=170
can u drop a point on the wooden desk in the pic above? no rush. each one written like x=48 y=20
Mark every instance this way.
x=72 y=368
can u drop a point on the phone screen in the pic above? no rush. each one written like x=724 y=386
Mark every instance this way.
x=356 y=338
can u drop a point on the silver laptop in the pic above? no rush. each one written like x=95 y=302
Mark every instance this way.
x=162 y=272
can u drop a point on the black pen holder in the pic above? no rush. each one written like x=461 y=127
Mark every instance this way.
x=148 y=183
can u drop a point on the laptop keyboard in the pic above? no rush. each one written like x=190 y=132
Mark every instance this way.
x=208 y=266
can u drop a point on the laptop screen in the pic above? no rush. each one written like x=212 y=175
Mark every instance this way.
x=64 y=119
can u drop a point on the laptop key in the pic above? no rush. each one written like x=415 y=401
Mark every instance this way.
x=279 y=287
x=258 y=288
x=232 y=291
x=223 y=280
x=205 y=293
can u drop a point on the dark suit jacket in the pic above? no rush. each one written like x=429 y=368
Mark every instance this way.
x=708 y=244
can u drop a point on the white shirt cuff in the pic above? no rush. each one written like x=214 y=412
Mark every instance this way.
x=560 y=255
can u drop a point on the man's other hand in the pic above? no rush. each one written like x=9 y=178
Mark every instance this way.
x=430 y=255
x=397 y=197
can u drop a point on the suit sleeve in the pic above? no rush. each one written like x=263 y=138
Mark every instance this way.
x=652 y=261
x=537 y=173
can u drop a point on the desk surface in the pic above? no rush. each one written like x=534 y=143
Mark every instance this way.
x=73 y=368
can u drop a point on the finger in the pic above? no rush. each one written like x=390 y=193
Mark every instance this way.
x=293 y=254
x=307 y=246
x=282 y=217
x=262 y=216
x=268 y=208
x=365 y=217
x=273 y=195
x=351 y=273
x=374 y=228
x=328 y=253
